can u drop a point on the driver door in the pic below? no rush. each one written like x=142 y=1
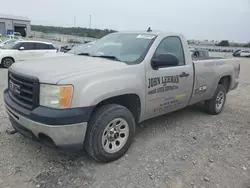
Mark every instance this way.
x=168 y=88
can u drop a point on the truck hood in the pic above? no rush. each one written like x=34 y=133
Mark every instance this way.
x=51 y=70
x=46 y=55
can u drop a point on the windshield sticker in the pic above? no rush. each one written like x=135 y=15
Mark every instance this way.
x=145 y=37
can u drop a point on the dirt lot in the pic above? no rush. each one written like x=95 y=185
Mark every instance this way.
x=187 y=148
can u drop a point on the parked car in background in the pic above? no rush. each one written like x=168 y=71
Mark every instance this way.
x=237 y=53
x=75 y=48
x=245 y=53
x=66 y=48
x=17 y=34
x=23 y=50
x=199 y=53
x=241 y=53
x=80 y=48
x=95 y=99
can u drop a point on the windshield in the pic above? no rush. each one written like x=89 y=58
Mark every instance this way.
x=124 y=47
x=10 y=45
x=9 y=41
x=79 y=48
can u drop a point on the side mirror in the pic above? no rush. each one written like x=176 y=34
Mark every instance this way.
x=164 y=60
x=21 y=48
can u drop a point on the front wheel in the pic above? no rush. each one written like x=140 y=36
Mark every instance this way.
x=215 y=105
x=110 y=133
x=7 y=62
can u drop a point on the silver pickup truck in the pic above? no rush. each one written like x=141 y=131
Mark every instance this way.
x=94 y=100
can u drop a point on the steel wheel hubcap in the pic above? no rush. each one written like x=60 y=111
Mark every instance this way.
x=115 y=135
x=220 y=100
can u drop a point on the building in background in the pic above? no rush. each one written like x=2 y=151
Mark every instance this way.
x=10 y=24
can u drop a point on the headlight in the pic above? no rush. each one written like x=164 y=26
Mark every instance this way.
x=56 y=96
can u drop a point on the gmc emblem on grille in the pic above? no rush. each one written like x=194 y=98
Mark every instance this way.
x=14 y=87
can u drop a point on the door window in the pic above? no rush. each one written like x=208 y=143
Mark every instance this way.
x=41 y=46
x=172 y=45
x=28 y=46
x=50 y=46
x=17 y=46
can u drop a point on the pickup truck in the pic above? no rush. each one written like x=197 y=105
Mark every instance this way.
x=95 y=99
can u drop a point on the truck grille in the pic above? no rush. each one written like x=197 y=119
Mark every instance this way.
x=24 y=90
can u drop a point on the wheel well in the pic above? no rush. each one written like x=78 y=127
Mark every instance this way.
x=8 y=57
x=225 y=81
x=130 y=101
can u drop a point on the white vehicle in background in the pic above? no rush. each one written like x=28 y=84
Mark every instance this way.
x=23 y=50
x=245 y=53
x=241 y=53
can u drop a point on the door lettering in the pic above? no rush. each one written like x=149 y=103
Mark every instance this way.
x=162 y=80
x=153 y=82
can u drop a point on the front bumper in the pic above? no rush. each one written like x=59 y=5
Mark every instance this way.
x=65 y=130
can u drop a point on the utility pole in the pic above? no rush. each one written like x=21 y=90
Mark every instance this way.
x=74 y=21
x=90 y=21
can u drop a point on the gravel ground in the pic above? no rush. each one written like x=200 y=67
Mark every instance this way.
x=188 y=148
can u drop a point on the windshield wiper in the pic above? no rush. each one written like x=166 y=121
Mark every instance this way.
x=108 y=57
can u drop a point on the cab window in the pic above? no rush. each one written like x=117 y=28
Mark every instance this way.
x=172 y=45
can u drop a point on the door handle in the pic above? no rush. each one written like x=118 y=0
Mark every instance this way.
x=184 y=74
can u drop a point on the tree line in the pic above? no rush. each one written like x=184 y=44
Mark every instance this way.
x=98 y=33
x=77 y=31
x=226 y=43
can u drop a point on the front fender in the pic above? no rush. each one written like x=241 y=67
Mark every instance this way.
x=101 y=89
x=4 y=56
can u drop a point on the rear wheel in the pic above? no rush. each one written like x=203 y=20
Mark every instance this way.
x=110 y=133
x=7 y=62
x=216 y=104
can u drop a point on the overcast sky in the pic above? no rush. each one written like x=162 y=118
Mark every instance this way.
x=196 y=19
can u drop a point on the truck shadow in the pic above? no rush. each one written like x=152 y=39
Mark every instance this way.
x=168 y=120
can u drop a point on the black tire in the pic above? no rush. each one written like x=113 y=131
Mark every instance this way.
x=210 y=105
x=98 y=123
x=7 y=62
